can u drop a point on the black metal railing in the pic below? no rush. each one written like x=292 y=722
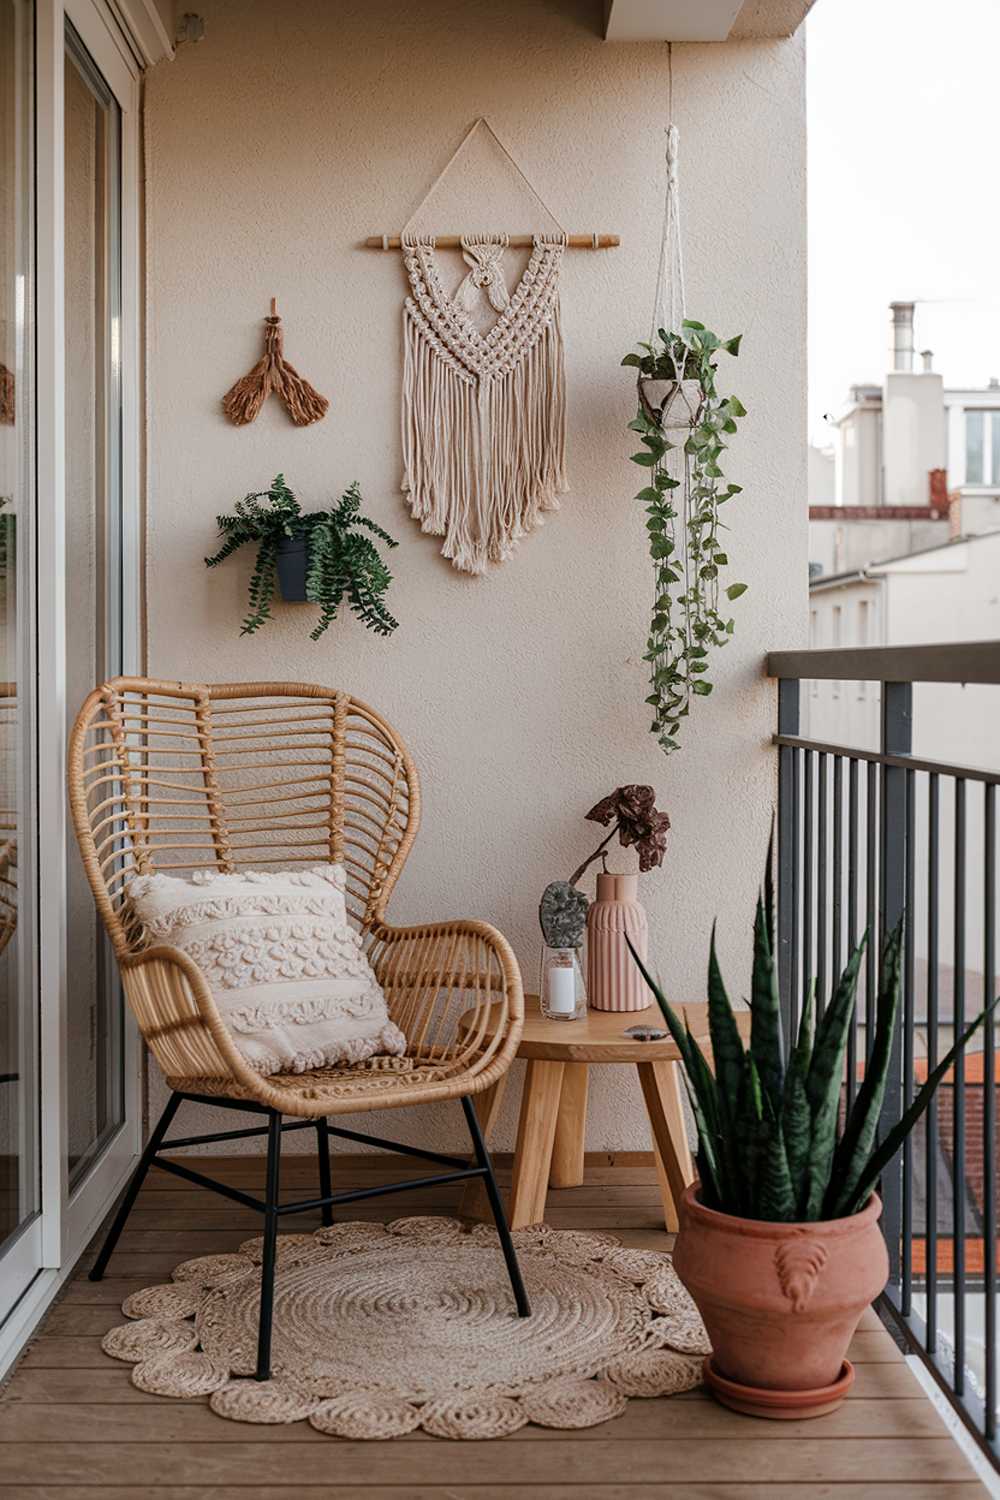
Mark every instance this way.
x=864 y=835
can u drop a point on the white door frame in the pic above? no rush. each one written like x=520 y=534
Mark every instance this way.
x=69 y=1220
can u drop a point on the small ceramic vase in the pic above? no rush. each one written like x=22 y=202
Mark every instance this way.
x=613 y=978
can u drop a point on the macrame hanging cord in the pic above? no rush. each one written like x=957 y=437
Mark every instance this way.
x=483 y=414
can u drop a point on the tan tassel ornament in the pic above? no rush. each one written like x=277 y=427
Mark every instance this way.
x=272 y=372
x=6 y=396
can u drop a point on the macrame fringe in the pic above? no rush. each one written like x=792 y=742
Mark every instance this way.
x=6 y=396
x=272 y=372
x=484 y=452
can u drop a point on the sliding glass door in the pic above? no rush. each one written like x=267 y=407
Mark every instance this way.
x=20 y=1182
x=94 y=626
x=69 y=618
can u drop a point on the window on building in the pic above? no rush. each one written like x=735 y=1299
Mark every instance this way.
x=982 y=447
x=864 y=637
x=838 y=640
x=814 y=642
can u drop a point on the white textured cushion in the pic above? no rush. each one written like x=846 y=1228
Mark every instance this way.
x=287 y=970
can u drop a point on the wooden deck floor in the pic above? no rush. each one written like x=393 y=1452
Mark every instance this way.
x=72 y=1424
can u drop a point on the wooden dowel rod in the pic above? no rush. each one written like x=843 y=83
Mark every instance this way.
x=516 y=241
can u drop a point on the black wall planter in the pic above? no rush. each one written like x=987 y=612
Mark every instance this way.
x=293 y=557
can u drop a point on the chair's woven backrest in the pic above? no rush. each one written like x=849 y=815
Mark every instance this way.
x=174 y=776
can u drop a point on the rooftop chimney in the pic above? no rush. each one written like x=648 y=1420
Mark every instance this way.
x=902 y=335
x=927 y=355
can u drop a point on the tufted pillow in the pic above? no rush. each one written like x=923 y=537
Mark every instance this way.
x=287 y=970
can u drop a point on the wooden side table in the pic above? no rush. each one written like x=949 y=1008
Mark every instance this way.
x=551 y=1129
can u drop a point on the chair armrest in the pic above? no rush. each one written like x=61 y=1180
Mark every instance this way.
x=439 y=973
x=177 y=1015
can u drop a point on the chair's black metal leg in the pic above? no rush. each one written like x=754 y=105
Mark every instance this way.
x=499 y=1217
x=270 y=1245
x=100 y=1265
x=325 y=1181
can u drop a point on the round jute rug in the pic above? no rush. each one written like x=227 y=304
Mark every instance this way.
x=381 y=1329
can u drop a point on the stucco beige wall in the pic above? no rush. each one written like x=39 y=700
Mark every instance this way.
x=274 y=147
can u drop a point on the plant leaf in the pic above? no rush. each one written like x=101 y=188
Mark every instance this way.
x=855 y=1145
x=884 y=1153
x=823 y=1083
x=727 y=1044
x=766 y=1044
x=776 y=1196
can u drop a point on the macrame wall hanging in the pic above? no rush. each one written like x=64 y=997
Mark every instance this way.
x=484 y=412
x=272 y=372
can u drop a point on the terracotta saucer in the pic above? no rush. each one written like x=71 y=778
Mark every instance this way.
x=758 y=1401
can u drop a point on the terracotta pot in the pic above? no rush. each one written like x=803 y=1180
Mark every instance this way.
x=613 y=978
x=780 y=1302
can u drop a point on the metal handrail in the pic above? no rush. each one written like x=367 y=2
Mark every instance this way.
x=958 y=661
x=905 y=762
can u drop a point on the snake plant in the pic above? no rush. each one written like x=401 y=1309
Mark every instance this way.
x=769 y=1146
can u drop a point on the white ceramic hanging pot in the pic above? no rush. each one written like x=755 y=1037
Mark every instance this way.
x=673 y=404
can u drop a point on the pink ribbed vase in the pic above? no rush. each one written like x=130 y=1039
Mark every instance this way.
x=613 y=978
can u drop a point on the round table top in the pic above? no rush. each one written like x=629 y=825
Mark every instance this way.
x=599 y=1036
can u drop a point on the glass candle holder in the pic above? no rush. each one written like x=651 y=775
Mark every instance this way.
x=561 y=990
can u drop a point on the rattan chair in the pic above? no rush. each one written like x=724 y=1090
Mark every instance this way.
x=180 y=776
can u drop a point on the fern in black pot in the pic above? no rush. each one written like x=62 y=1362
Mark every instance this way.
x=324 y=557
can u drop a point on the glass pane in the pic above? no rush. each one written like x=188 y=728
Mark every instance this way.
x=974 y=433
x=995 y=447
x=19 y=1183
x=93 y=613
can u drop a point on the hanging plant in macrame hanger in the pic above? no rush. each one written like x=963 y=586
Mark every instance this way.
x=682 y=423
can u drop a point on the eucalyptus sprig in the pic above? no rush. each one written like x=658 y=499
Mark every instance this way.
x=682 y=517
x=342 y=562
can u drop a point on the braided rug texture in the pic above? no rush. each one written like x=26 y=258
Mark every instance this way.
x=382 y=1329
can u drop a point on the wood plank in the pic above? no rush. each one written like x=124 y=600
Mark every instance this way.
x=536 y=1128
x=114 y=1441
x=661 y=1089
x=88 y=1421
x=870 y=1490
x=568 y=1165
x=561 y=1459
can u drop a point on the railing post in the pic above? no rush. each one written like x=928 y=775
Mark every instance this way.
x=788 y=864
x=896 y=739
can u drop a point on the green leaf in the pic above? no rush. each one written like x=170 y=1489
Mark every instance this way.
x=766 y=1043
x=647 y=460
x=775 y=1196
x=634 y=360
x=796 y=1115
x=897 y=1135
x=824 y=1079
x=855 y=1146
x=727 y=1044
x=735 y=590
x=732 y=346
x=703 y=1088
x=701 y=688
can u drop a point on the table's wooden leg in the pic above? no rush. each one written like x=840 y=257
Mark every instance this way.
x=571 y=1128
x=474 y=1202
x=536 y=1131
x=661 y=1089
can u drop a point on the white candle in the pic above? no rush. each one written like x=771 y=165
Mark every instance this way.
x=562 y=989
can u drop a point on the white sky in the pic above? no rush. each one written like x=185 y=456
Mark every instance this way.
x=904 y=195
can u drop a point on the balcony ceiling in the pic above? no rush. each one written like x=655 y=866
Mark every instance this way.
x=702 y=20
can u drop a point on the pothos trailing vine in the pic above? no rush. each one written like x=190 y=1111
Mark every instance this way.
x=682 y=503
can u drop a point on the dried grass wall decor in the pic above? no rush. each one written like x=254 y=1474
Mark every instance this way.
x=272 y=372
